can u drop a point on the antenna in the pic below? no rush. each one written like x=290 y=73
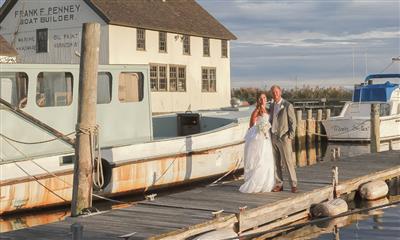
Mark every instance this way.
x=353 y=65
x=366 y=63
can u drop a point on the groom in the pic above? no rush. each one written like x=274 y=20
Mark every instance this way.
x=283 y=132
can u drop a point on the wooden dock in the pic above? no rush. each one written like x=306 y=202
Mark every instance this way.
x=189 y=213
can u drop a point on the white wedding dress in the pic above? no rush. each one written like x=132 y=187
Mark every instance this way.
x=259 y=163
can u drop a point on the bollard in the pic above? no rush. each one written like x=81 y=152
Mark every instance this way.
x=77 y=231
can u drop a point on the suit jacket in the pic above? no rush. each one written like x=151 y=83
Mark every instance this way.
x=286 y=119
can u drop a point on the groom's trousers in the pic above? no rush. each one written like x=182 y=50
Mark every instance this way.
x=282 y=148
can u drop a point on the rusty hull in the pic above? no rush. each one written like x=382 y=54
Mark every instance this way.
x=130 y=176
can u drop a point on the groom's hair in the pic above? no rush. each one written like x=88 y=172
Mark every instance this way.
x=275 y=86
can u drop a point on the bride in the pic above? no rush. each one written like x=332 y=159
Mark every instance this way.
x=259 y=164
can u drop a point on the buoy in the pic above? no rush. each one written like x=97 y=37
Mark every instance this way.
x=374 y=190
x=330 y=208
x=222 y=233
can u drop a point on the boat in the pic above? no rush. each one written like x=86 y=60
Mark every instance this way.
x=138 y=151
x=353 y=123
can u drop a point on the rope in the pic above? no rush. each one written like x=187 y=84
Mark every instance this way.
x=54 y=175
x=166 y=170
x=387 y=67
x=31 y=176
x=32 y=143
x=234 y=169
x=95 y=155
x=289 y=227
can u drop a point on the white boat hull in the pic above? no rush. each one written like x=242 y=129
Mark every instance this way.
x=358 y=129
x=132 y=168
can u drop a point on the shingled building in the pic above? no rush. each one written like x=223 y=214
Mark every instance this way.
x=187 y=49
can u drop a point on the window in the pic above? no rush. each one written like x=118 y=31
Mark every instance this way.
x=177 y=78
x=206 y=47
x=14 y=88
x=158 y=77
x=104 y=83
x=154 y=77
x=140 y=39
x=130 y=87
x=224 y=48
x=186 y=45
x=41 y=40
x=182 y=79
x=162 y=42
x=54 y=89
x=384 y=109
x=173 y=79
x=208 y=79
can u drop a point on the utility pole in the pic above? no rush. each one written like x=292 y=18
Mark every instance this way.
x=85 y=128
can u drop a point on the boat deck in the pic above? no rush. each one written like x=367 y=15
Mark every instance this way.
x=187 y=213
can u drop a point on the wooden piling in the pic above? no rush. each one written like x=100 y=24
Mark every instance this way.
x=82 y=185
x=327 y=113
x=300 y=144
x=310 y=139
x=375 y=128
x=319 y=132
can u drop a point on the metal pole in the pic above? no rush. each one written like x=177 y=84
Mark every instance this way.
x=82 y=186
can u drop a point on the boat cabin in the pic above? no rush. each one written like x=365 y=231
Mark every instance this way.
x=386 y=94
x=49 y=93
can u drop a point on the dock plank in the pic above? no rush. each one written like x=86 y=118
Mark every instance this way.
x=189 y=212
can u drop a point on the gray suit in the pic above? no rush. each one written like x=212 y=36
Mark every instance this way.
x=283 y=132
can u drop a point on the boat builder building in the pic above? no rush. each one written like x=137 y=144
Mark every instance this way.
x=186 y=49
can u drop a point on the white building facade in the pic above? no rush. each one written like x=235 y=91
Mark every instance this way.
x=187 y=50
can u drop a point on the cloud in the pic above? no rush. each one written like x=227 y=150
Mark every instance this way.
x=314 y=40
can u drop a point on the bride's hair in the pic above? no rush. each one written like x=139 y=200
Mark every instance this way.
x=259 y=106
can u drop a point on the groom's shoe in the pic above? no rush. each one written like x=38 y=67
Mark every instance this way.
x=294 y=189
x=277 y=189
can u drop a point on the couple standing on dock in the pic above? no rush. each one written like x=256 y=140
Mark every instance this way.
x=268 y=145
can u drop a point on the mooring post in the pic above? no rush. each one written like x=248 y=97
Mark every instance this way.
x=319 y=132
x=310 y=138
x=375 y=128
x=85 y=128
x=301 y=157
x=327 y=113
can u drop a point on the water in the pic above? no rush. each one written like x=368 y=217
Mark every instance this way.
x=378 y=224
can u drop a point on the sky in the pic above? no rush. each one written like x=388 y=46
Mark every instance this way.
x=309 y=42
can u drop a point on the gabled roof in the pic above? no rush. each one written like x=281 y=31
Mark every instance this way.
x=6 y=49
x=176 y=16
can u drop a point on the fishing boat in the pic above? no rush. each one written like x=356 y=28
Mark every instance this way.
x=135 y=150
x=353 y=123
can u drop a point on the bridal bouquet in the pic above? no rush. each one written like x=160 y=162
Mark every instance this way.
x=264 y=126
